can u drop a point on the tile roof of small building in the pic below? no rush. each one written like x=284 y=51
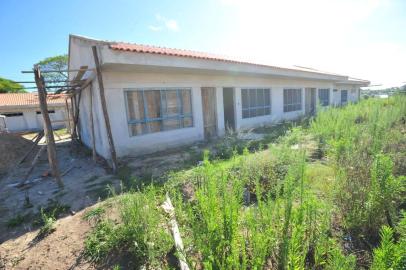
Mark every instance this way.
x=139 y=48
x=28 y=99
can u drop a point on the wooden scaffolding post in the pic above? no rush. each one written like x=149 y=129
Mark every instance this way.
x=92 y=123
x=73 y=107
x=77 y=119
x=104 y=107
x=68 y=115
x=53 y=162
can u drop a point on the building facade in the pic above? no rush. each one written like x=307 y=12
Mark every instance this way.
x=160 y=98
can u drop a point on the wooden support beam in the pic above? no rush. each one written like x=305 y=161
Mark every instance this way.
x=37 y=139
x=77 y=107
x=94 y=154
x=68 y=115
x=56 y=71
x=73 y=108
x=80 y=74
x=53 y=162
x=33 y=163
x=105 y=112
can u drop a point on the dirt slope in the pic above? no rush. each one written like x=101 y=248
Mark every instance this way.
x=62 y=249
x=12 y=148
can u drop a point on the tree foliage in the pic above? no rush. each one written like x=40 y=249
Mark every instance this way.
x=8 y=86
x=55 y=63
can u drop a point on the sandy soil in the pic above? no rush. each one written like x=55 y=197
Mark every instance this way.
x=61 y=249
x=12 y=148
x=85 y=183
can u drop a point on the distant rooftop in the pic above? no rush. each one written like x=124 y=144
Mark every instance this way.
x=28 y=99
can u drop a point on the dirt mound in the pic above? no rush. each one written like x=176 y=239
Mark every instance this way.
x=12 y=149
x=62 y=249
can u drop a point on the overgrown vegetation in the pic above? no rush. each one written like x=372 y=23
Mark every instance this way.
x=325 y=195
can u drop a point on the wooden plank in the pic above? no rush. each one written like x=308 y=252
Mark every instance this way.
x=209 y=111
x=72 y=116
x=68 y=114
x=105 y=112
x=170 y=210
x=77 y=119
x=53 y=162
x=94 y=154
x=73 y=106
x=56 y=71
x=37 y=139
x=80 y=74
x=33 y=163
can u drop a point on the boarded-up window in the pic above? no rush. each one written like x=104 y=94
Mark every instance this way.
x=324 y=97
x=292 y=100
x=255 y=102
x=158 y=110
x=344 y=96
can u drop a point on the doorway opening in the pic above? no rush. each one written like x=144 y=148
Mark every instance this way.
x=229 y=112
x=209 y=112
x=310 y=101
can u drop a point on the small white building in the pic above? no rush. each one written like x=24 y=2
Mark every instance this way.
x=158 y=98
x=22 y=113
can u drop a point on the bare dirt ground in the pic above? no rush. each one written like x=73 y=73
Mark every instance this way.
x=85 y=184
x=61 y=249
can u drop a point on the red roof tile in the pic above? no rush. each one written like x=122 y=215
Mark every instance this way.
x=132 y=47
x=28 y=99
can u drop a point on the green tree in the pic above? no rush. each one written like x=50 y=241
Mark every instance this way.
x=57 y=63
x=8 y=86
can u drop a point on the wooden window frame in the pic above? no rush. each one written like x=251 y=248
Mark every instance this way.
x=180 y=115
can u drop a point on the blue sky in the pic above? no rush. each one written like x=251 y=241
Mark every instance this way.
x=361 y=38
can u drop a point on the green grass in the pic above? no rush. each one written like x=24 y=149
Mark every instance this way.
x=291 y=204
x=94 y=214
x=48 y=225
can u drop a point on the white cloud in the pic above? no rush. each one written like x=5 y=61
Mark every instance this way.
x=154 y=28
x=169 y=24
x=172 y=25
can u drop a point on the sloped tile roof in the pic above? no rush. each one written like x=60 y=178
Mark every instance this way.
x=28 y=99
x=139 y=48
x=132 y=47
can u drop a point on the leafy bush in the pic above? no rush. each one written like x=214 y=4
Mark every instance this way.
x=142 y=232
x=389 y=255
x=48 y=224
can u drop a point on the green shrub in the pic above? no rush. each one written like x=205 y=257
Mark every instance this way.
x=48 y=226
x=142 y=232
x=101 y=241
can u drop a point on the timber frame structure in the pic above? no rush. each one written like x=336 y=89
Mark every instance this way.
x=72 y=91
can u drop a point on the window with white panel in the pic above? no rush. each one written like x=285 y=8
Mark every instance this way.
x=255 y=102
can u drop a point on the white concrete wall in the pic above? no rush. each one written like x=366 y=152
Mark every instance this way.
x=353 y=93
x=30 y=120
x=137 y=71
x=116 y=82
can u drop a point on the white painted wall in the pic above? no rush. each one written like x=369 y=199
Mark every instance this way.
x=124 y=70
x=30 y=120
x=116 y=82
x=353 y=93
